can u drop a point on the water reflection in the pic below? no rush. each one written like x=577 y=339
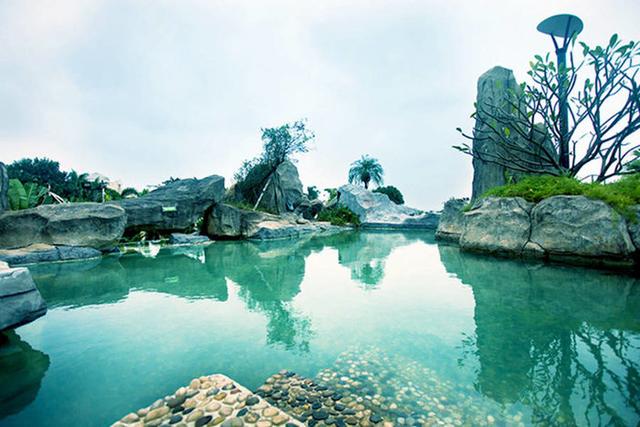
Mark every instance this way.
x=21 y=371
x=563 y=341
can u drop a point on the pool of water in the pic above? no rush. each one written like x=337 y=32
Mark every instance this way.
x=438 y=334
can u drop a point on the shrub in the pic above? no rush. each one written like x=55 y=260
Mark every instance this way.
x=312 y=192
x=339 y=215
x=620 y=195
x=392 y=192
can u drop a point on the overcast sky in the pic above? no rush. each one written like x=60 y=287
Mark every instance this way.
x=144 y=90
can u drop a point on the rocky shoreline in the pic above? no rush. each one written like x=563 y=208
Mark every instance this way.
x=567 y=229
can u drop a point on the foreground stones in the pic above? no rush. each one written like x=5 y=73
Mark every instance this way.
x=376 y=210
x=571 y=229
x=210 y=401
x=93 y=225
x=175 y=206
x=20 y=300
x=229 y=222
x=39 y=252
x=314 y=403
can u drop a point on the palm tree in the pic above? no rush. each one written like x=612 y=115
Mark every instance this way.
x=365 y=170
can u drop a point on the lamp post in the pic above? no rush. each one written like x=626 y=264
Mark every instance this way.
x=565 y=27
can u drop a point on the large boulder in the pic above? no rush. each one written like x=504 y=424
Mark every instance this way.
x=576 y=226
x=497 y=225
x=175 y=206
x=229 y=222
x=4 y=188
x=451 y=223
x=20 y=301
x=94 y=225
x=284 y=192
x=377 y=210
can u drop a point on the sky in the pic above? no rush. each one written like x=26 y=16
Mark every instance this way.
x=142 y=91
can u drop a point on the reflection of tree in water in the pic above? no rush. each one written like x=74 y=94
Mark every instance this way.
x=269 y=277
x=564 y=341
x=21 y=371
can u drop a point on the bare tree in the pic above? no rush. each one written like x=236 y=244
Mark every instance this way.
x=603 y=109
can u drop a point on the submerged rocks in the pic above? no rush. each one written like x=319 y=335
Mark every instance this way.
x=175 y=206
x=197 y=405
x=377 y=210
x=579 y=227
x=451 y=223
x=498 y=225
x=20 y=300
x=93 y=225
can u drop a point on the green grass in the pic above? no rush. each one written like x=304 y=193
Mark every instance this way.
x=620 y=195
x=339 y=215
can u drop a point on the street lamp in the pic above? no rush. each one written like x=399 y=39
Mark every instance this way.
x=565 y=27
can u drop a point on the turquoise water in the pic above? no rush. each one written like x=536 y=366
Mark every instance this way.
x=492 y=340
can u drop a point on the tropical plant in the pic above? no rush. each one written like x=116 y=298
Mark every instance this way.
x=43 y=171
x=25 y=196
x=365 y=170
x=392 y=192
x=634 y=165
x=332 y=192
x=526 y=132
x=129 y=192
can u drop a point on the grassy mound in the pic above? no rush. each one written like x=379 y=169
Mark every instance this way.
x=621 y=194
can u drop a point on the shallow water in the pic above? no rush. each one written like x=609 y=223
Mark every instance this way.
x=459 y=338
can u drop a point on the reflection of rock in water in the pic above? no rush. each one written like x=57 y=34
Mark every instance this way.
x=21 y=371
x=76 y=284
x=558 y=339
x=408 y=393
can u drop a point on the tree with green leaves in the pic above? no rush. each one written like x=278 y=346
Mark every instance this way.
x=279 y=145
x=365 y=170
x=603 y=102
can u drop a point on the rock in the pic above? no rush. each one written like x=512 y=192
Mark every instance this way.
x=46 y=253
x=576 y=226
x=156 y=413
x=309 y=209
x=203 y=421
x=634 y=227
x=284 y=192
x=451 y=222
x=494 y=89
x=175 y=206
x=497 y=225
x=252 y=400
x=94 y=225
x=4 y=188
x=280 y=419
x=376 y=210
x=20 y=300
x=187 y=239
x=229 y=222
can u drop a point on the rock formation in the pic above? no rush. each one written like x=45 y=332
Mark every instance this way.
x=284 y=192
x=376 y=210
x=4 y=188
x=451 y=222
x=20 y=301
x=175 y=206
x=93 y=225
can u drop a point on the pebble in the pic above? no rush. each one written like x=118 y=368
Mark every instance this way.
x=252 y=400
x=175 y=419
x=213 y=407
x=270 y=412
x=263 y=423
x=220 y=396
x=195 y=415
x=251 y=417
x=217 y=420
x=156 y=413
x=176 y=400
x=320 y=415
x=225 y=411
x=280 y=419
x=203 y=421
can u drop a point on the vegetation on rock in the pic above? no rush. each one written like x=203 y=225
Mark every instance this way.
x=392 y=192
x=312 y=192
x=339 y=215
x=365 y=170
x=621 y=194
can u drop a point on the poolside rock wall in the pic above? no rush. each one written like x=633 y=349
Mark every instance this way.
x=175 y=206
x=451 y=222
x=93 y=225
x=20 y=300
x=376 y=210
x=571 y=229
